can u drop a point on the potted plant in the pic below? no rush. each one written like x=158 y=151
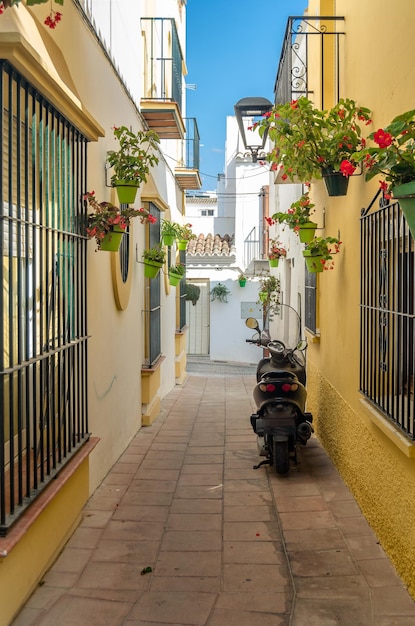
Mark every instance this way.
x=276 y=252
x=297 y=218
x=169 y=232
x=220 y=293
x=192 y=293
x=132 y=161
x=153 y=260
x=269 y=296
x=107 y=222
x=318 y=253
x=185 y=235
x=393 y=158
x=176 y=273
x=242 y=279
x=310 y=143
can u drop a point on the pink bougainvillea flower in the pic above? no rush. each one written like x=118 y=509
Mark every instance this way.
x=382 y=138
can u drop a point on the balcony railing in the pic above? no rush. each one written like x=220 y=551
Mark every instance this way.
x=310 y=60
x=187 y=172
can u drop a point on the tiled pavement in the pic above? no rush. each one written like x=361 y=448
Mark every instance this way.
x=228 y=545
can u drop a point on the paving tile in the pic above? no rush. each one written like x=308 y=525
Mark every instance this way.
x=194 y=521
x=379 y=573
x=72 y=560
x=213 y=491
x=315 y=539
x=302 y=520
x=342 y=587
x=260 y=602
x=84 y=537
x=250 y=513
x=232 y=617
x=148 y=498
x=185 y=607
x=196 y=540
x=193 y=469
x=365 y=547
x=253 y=552
x=156 y=474
x=246 y=485
x=301 y=503
x=345 y=508
x=140 y=484
x=101 y=575
x=196 y=505
x=141 y=513
x=141 y=553
x=95 y=519
x=322 y=563
x=249 y=498
x=75 y=611
x=251 y=577
x=206 y=584
x=392 y=601
x=215 y=477
x=188 y=564
x=331 y=612
x=120 y=530
x=251 y=531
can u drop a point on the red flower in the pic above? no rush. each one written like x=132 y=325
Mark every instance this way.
x=382 y=138
x=347 y=168
x=294 y=104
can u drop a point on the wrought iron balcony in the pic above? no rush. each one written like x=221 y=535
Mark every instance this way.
x=310 y=60
x=187 y=173
x=161 y=103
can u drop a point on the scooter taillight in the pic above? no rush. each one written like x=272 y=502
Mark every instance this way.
x=285 y=387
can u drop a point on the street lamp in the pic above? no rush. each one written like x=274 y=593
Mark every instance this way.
x=248 y=111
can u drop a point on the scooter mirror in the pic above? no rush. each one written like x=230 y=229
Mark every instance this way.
x=251 y=322
x=302 y=345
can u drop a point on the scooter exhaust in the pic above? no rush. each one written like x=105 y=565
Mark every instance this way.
x=304 y=431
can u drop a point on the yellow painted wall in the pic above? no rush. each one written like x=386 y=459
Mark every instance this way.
x=22 y=569
x=375 y=461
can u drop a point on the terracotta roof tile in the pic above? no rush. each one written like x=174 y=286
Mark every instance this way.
x=211 y=245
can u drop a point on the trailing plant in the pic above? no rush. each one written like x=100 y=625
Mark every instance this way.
x=220 y=293
x=276 y=250
x=186 y=233
x=324 y=247
x=106 y=215
x=170 y=229
x=192 y=293
x=308 y=140
x=393 y=157
x=296 y=216
x=269 y=295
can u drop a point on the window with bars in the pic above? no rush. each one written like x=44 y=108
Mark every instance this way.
x=152 y=312
x=43 y=335
x=388 y=314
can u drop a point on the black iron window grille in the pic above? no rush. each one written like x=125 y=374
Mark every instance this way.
x=152 y=312
x=182 y=305
x=388 y=314
x=311 y=302
x=43 y=335
x=192 y=144
x=312 y=47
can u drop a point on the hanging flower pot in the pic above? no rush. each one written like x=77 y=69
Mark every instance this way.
x=336 y=182
x=112 y=240
x=152 y=268
x=242 y=282
x=314 y=263
x=168 y=240
x=273 y=262
x=174 y=279
x=182 y=245
x=306 y=231
x=126 y=191
x=405 y=194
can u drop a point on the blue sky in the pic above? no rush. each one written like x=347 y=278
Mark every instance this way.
x=233 y=49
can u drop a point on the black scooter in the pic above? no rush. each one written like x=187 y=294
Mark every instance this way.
x=280 y=421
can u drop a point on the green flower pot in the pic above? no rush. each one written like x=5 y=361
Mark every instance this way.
x=405 y=194
x=313 y=263
x=182 y=245
x=168 y=240
x=151 y=269
x=112 y=240
x=174 y=279
x=242 y=283
x=126 y=191
x=273 y=262
x=306 y=231
x=336 y=183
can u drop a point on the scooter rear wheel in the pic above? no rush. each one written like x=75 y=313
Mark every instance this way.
x=281 y=459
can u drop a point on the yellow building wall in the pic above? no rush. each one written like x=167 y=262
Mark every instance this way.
x=373 y=458
x=25 y=564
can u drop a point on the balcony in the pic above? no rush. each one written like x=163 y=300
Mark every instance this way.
x=310 y=62
x=163 y=77
x=187 y=175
